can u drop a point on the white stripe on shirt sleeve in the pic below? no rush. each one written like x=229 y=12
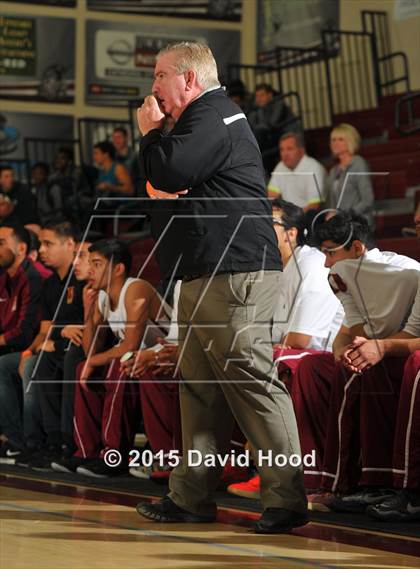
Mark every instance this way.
x=233 y=118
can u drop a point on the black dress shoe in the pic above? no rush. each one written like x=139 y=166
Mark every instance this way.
x=167 y=511
x=279 y=520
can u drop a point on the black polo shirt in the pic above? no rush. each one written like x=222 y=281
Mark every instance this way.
x=66 y=294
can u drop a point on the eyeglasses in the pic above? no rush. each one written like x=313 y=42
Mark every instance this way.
x=278 y=221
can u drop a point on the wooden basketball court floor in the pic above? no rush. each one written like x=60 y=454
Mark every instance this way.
x=71 y=526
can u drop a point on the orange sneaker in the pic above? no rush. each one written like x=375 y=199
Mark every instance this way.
x=248 y=489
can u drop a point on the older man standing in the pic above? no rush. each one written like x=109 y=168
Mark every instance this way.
x=220 y=241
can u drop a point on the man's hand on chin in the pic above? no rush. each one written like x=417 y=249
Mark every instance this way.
x=149 y=115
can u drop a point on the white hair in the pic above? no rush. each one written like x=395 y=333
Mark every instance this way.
x=197 y=57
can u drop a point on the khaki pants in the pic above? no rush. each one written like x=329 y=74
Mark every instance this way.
x=226 y=363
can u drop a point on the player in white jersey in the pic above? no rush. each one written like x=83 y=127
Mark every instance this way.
x=106 y=399
x=308 y=314
x=405 y=504
x=377 y=291
x=298 y=178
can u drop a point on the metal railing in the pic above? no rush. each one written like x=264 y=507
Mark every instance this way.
x=406 y=104
x=352 y=72
x=303 y=71
x=92 y=131
x=377 y=23
x=296 y=73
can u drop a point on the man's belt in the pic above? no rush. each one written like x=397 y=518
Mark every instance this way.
x=188 y=278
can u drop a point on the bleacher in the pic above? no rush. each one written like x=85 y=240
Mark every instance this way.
x=369 y=90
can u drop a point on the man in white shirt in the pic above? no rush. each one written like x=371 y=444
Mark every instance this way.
x=377 y=291
x=298 y=178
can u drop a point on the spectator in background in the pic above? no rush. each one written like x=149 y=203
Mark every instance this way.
x=64 y=171
x=298 y=178
x=48 y=194
x=123 y=153
x=238 y=94
x=270 y=118
x=16 y=203
x=348 y=185
x=113 y=179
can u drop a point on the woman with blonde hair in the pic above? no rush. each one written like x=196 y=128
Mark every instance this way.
x=348 y=185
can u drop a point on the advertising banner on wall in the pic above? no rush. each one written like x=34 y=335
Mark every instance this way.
x=37 y=58
x=59 y=3
x=55 y=3
x=203 y=9
x=295 y=24
x=15 y=127
x=123 y=57
x=406 y=9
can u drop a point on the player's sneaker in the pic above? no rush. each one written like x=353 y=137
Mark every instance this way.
x=404 y=506
x=97 y=468
x=68 y=465
x=248 y=489
x=41 y=460
x=9 y=453
x=359 y=501
x=142 y=472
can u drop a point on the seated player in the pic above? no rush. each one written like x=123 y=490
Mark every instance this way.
x=331 y=387
x=25 y=433
x=155 y=367
x=106 y=399
x=55 y=371
x=20 y=291
x=405 y=504
x=308 y=314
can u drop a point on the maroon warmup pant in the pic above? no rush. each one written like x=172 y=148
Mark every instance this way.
x=105 y=414
x=311 y=393
x=161 y=413
x=288 y=361
x=407 y=433
x=359 y=418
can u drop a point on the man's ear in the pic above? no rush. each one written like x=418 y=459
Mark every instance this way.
x=190 y=77
x=359 y=248
x=22 y=249
x=291 y=235
x=119 y=270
